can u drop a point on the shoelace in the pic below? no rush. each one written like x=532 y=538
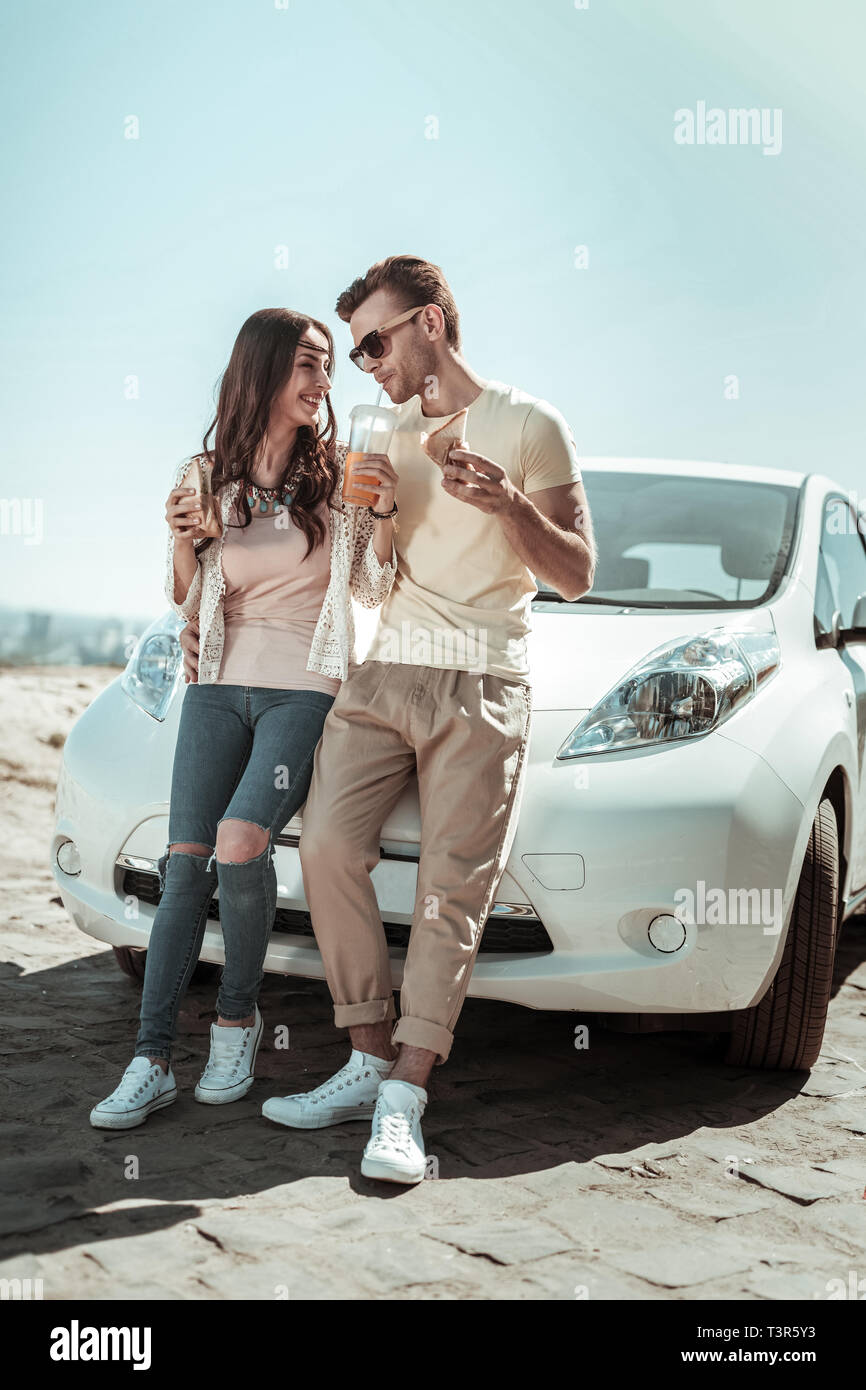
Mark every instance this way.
x=135 y=1084
x=394 y=1131
x=346 y=1076
x=223 y=1050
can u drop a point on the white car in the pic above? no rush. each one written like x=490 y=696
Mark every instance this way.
x=693 y=828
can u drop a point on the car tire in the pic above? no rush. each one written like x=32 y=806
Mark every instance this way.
x=132 y=960
x=784 y=1031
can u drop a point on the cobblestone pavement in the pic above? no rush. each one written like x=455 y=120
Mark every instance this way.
x=637 y=1168
x=562 y=1173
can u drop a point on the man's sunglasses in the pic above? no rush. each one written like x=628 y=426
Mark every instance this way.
x=371 y=344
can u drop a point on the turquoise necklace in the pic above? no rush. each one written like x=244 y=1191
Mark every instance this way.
x=274 y=497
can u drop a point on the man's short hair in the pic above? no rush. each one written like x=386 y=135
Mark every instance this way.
x=410 y=279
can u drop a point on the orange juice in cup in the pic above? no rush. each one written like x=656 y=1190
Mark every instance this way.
x=370 y=433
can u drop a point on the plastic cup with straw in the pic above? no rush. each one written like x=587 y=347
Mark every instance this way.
x=370 y=432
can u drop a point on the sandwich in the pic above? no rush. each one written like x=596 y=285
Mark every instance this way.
x=199 y=478
x=438 y=444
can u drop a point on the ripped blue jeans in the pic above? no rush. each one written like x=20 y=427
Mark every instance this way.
x=242 y=753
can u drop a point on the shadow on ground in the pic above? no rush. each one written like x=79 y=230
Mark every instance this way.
x=516 y=1097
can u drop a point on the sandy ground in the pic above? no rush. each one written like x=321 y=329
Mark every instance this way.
x=562 y=1173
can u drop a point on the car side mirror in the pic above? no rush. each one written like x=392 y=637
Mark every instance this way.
x=831 y=638
x=857 y=631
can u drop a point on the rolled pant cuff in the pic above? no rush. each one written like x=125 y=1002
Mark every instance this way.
x=372 y=1011
x=157 y=1050
x=419 y=1032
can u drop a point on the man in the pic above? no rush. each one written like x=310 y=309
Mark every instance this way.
x=444 y=693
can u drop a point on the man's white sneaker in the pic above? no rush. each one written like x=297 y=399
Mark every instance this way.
x=144 y=1087
x=350 y=1094
x=395 y=1150
x=229 y=1071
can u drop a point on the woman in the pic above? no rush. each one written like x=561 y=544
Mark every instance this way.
x=272 y=596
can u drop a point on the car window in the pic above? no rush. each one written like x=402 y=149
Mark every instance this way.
x=666 y=564
x=680 y=540
x=841 y=564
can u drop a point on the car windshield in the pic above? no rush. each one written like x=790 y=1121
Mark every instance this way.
x=668 y=541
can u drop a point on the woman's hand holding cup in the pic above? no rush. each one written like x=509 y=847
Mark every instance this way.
x=375 y=472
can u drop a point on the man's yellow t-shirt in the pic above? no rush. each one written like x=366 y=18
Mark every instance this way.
x=461 y=598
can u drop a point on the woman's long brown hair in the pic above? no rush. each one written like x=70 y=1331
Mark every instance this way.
x=261 y=363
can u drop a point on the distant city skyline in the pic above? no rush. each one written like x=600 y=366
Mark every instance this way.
x=32 y=636
x=680 y=277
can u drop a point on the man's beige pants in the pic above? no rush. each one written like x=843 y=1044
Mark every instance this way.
x=466 y=734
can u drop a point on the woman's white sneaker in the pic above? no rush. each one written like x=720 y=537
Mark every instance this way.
x=229 y=1071
x=395 y=1150
x=350 y=1094
x=145 y=1087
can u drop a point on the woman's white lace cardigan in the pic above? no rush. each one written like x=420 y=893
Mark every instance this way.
x=355 y=570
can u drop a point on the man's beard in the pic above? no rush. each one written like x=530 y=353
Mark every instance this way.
x=414 y=377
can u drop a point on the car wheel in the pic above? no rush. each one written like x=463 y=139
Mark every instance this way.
x=132 y=959
x=785 y=1030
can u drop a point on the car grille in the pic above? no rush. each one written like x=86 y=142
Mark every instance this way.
x=501 y=936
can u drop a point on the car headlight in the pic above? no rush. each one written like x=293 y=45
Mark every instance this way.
x=681 y=690
x=155 y=666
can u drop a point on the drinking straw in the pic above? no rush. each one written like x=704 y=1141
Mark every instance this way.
x=366 y=449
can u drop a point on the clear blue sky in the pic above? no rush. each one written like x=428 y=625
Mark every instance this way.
x=305 y=126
